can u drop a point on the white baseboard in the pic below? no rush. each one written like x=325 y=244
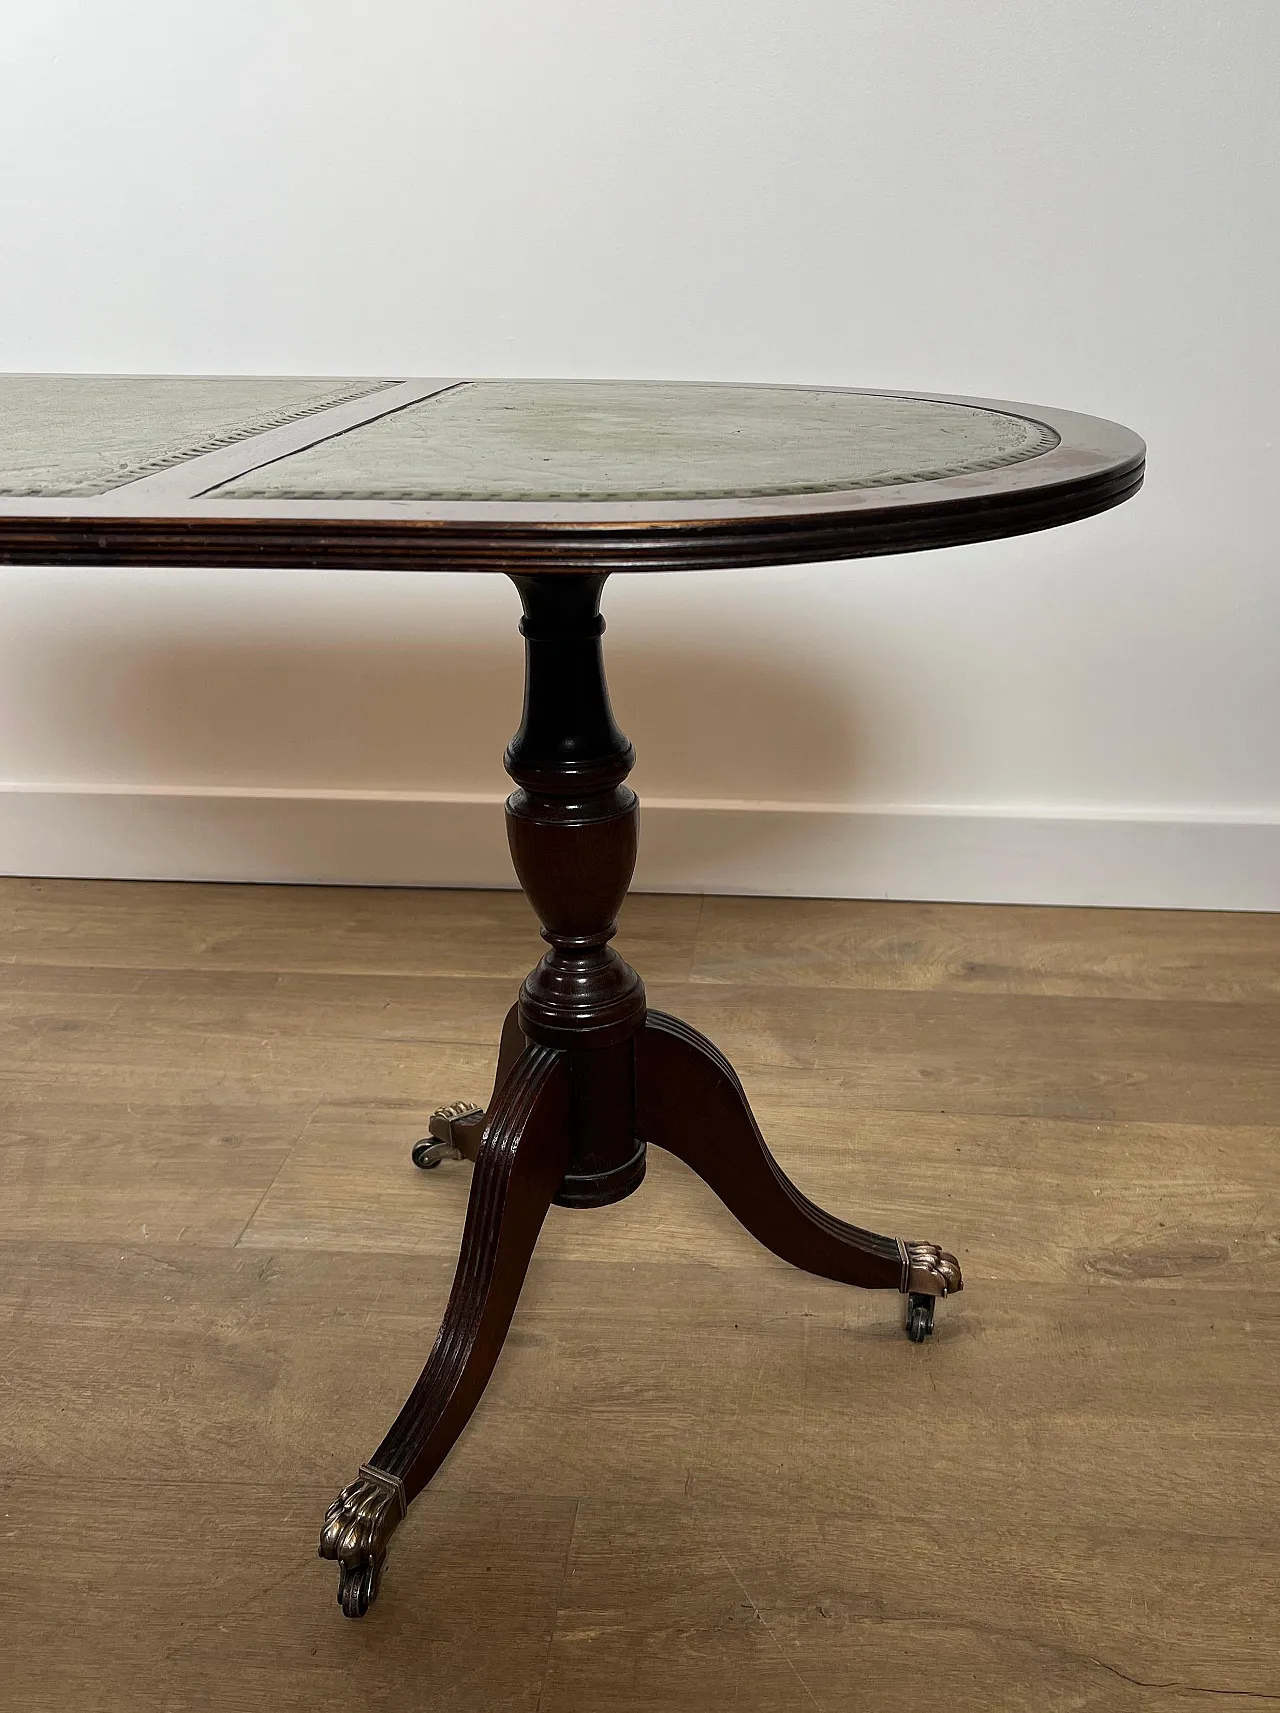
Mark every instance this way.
x=1212 y=861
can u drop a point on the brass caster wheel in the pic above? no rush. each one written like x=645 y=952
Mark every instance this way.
x=428 y=1153
x=451 y=1127
x=357 y=1587
x=919 y=1320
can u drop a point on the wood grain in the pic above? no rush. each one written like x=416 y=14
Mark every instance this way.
x=1028 y=1199
x=226 y=1605
x=1099 y=1059
x=697 y=1478
x=348 y=930
x=830 y=1613
x=985 y=948
x=200 y=1365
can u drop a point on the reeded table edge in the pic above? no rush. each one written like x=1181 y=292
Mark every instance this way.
x=1097 y=464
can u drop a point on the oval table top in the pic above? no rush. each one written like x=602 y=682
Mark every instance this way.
x=526 y=475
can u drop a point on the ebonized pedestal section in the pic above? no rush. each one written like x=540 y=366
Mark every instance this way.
x=586 y=1080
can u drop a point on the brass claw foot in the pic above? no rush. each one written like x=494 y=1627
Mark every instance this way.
x=454 y=1135
x=927 y=1274
x=357 y=1527
x=930 y=1270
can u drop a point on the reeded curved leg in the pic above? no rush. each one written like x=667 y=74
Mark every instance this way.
x=522 y=1159
x=455 y=1130
x=690 y=1102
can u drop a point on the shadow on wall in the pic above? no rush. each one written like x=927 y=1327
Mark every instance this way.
x=392 y=715
x=409 y=715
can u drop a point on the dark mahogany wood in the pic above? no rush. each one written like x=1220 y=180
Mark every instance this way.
x=1095 y=465
x=520 y=1165
x=573 y=828
x=586 y=1079
x=468 y=1133
x=396 y=543
x=690 y=1102
x=572 y=822
x=325 y=541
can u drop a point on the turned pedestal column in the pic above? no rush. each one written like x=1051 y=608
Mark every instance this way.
x=586 y=1079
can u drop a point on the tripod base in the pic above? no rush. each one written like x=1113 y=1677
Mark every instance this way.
x=587 y=1079
x=687 y=1100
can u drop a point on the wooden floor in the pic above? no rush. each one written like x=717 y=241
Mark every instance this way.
x=699 y=1479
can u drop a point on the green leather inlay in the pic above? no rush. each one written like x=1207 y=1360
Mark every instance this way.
x=77 y=435
x=645 y=440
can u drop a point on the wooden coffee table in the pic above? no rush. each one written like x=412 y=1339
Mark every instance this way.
x=556 y=484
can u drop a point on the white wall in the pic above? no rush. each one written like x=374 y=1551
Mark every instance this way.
x=1071 y=203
